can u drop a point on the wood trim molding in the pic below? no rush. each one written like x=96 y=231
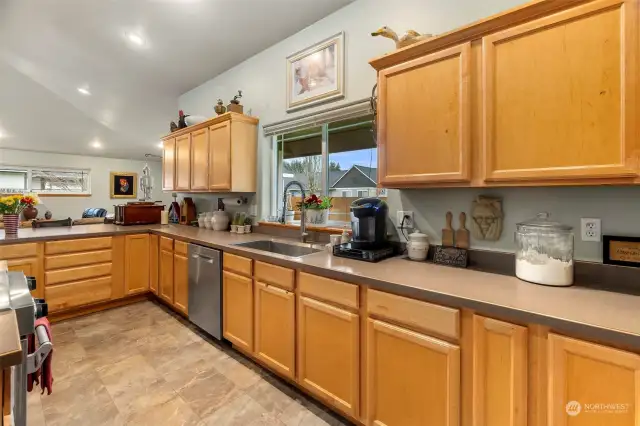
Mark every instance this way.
x=475 y=30
x=229 y=116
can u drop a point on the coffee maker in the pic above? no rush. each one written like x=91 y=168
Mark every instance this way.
x=369 y=232
x=369 y=223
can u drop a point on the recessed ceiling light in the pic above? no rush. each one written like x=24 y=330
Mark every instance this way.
x=96 y=144
x=135 y=39
x=84 y=91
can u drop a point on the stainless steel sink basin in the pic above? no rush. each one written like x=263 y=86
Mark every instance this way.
x=286 y=249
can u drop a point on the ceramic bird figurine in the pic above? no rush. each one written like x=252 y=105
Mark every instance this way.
x=410 y=37
x=173 y=126
x=181 y=120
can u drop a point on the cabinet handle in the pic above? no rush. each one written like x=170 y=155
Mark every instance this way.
x=273 y=289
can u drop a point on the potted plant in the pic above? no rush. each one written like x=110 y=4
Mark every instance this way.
x=11 y=206
x=240 y=223
x=316 y=209
x=247 y=225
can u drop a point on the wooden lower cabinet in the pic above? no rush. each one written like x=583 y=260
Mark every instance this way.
x=154 y=263
x=329 y=354
x=412 y=379
x=31 y=267
x=165 y=290
x=181 y=283
x=591 y=384
x=275 y=328
x=499 y=373
x=136 y=252
x=237 y=310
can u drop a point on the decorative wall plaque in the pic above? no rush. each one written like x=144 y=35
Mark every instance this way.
x=624 y=251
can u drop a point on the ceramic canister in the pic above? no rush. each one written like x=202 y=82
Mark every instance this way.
x=418 y=246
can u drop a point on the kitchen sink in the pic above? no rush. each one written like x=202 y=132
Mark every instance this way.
x=293 y=250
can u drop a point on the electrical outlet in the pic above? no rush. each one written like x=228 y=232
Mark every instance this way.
x=408 y=222
x=590 y=229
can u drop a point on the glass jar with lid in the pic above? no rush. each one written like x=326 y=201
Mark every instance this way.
x=544 y=253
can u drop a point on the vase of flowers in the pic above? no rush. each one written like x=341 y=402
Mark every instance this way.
x=316 y=209
x=11 y=206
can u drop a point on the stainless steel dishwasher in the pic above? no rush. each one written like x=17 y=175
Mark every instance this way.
x=205 y=289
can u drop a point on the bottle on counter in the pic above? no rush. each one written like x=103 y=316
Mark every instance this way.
x=345 y=237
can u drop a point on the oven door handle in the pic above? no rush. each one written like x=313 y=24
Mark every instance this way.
x=36 y=359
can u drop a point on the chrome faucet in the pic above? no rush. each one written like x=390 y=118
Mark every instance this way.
x=303 y=226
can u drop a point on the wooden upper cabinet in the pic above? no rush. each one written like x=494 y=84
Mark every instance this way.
x=183 y=162
x=168 y=164
x=590 y=375
x=200 y=159
x=412 y=379
x=499 y=373
x=220 y=156
x=560 y=96
x=136 y=276
x=424 y=119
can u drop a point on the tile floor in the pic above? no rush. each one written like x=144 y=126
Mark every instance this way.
x=142 y=365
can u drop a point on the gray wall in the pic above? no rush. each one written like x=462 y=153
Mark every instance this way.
x=262 y=79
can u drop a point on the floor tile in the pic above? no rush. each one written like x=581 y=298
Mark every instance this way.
x=173 y=412
x=240 y=412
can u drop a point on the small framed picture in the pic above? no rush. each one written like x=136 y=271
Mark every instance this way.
x=124 y=185
x=623 y=251
x=316 y=74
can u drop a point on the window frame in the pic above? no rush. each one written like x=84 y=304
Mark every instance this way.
x=277 y=169
x=29 y=170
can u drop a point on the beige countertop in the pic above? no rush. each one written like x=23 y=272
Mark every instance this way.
x=588 y=313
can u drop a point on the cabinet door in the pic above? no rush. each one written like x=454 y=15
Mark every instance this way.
x=154 y=260
x=183 y=162
x=329 y=353
x=181 y=282
x=585 y=377
x=559 y=96
x=220 y=156
x=237 y=310
x=200 y=159
x=168 y=164
x=30 y=267
x=275 y=328
x=136 y=264
x=499 y=373
x=166 y=276
x=424 y=119
x=412 y=379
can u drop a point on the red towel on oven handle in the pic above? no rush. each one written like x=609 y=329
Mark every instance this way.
x=32 y=377
x=46 y=373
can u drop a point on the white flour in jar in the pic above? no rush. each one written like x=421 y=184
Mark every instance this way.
x=546 y=270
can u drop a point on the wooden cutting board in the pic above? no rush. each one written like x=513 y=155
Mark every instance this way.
x=447 y=231
x=462 y=233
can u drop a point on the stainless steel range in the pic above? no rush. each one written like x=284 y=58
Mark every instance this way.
x=15 y=294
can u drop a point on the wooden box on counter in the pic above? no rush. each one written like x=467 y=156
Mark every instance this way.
x=138 y=213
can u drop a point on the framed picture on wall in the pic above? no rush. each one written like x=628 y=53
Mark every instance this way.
x=315 y=75
x=124 y=185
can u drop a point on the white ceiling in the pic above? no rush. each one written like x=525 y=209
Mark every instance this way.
x=50 y=48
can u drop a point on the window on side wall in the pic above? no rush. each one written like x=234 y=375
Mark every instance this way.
x=338 y=159
x=45 y=181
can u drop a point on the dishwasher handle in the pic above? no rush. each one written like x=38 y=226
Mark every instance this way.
x=204 y=258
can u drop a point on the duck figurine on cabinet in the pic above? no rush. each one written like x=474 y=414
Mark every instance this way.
x=410 y=37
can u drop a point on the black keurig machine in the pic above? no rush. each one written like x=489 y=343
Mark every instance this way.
x=369 y=224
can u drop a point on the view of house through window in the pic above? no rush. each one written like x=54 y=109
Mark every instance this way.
x=347 y=170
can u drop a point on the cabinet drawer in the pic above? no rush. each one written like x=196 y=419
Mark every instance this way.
x=425 y=316
x=77 y=259
x=237 y=264
x=78 y=293
x=73 y=246
x=276 y=275
x=180 y=247
x=15 y=251
x=330 y=290
x=76 y=274
x=166 y=243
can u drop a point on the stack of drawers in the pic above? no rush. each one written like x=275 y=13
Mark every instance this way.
x=78 y=272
